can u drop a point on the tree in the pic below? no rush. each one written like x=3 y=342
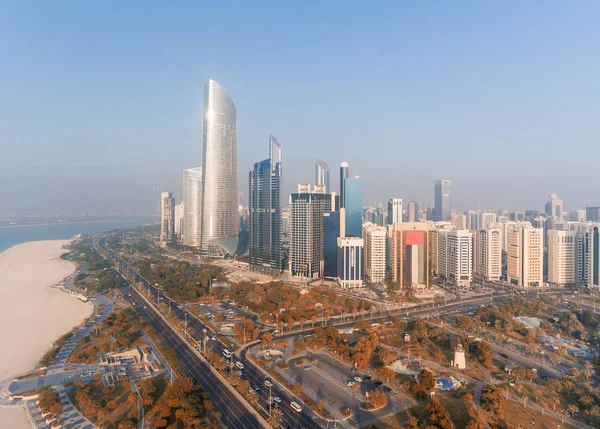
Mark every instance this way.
x=573 y=409
x=426 y=379
x=314 y=319
x=297 y=389
x=385 y=372
x=252 y=397
x=492 y=400
x=275 y=418
x=439 y=416
x=266 y=339
x=485 y=353
x=411 y=422
x=49 y=400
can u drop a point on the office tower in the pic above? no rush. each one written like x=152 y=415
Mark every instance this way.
x=434 y=235
x=412 y=212
x=411 y=254
x=472 y=220
x=525 y=255
x=374 y=239
x=350 y=262
x=455 y=256
x=219 y=173
x=178 y=215
x=331 y=232
x=459 y=220
x=554 y=207
x=322 y=175
x=344 y=171
x=394 y=211
x=243 y=218
x=307 y=238
x=588 y=256
x=442 y=200
x=488 y=252
x=592 y=214
x=562 y=258
x=167 y=217
x=577 y=216
x=286 y=224
x=192 y=206
x=353 y=190
x=486 y=219
x=265 y=251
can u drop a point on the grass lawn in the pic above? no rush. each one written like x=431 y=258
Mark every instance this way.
x=516 y=414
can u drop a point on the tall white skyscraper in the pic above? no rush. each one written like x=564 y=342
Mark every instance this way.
x=562 y=258
x=455 y=255
x=192 y=206
x=322 y=175
x=374 y=239
x=443 y=200
x=486 y=219
x=525 y=248
x=350 y=262
x=488 y=252
x=219 y=172
x=179 y=221
x=394 y=213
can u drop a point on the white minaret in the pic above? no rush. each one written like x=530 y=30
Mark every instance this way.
x=459 y=358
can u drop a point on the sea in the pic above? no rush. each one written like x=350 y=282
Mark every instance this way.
x=16 y=234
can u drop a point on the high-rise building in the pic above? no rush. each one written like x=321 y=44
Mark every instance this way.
x=554 y=207
x=459 y=220
x=192 y=206
x=562 y=258
x=344 y=174
x=265 y=251
x=394 y=211
x=167 y=217
x=307 y=237
x=486 y=219
x=350 y=262
x=472 y=220
x=374 y=239
x=412 y=212
x=219 y=172
x=525 y=255
x=588 y=256
x=331 y=231
x=442 y=200
x=455 y=256
x=178 y=214
x=353 y=190
x=488 y=252
x=411 y=254
x=592 y=214
x=322 y=175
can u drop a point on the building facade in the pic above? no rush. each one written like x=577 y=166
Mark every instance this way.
x=220 y=224
x=488 y=253
x=192 y=206
x=344 y=174
x=265 y=249
x=322 y=175
x=353 y=191
x=374 y=239
x=307 y=239
x=592 y=214
x=443 y=200
x=350 y=262
x=179 y=212
x=411 y=254
x=412 y=212
x=459 y=220
x=554 y=207
x=331 y=230
x=394 y=211
x=562 y=258
x=525 y=255
x=455 y=256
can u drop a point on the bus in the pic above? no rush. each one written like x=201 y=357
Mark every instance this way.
x=296 y=407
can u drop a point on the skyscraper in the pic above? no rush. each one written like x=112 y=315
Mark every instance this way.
x=353 y=190
x=179 y=221
x=525 y=255
x=167 y=217
x=562 y=258
x=488 y=252
x=455 y=255
x=322 y=175
x=350 y=262
x=394 y=213
x=344 y=171
x=219 y=172
x=411 y=254
x=554 y=207
x=592 y=214
x=192 y=206
x=412 y=212
x=307 y=237
x=331 y=232
x=374 y=239
x=442 y=200
x=265 y=212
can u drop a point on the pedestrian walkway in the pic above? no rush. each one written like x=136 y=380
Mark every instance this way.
x=71 y=418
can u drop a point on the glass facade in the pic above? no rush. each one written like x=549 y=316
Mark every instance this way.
x=265 y=212
x=331 y=231
x=219 y=167
x=442 y=200
x=353 y=190
x=322 y=175
x=192 y=207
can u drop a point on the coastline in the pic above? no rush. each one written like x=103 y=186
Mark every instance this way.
x=33 y=313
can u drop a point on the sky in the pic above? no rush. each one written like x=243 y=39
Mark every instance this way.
x=100 y=102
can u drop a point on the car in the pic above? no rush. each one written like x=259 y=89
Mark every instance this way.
x=366 y=377
x=255 y=388
x=239 y=365
x=268 y=383
x=378 y=383
x=353 y=369
x=358 y=379
x=277 y=399
x=307 y=367
x=387 y=388
x=204 y=330
x=213 y=338
x=350 y=383
x=145 y=306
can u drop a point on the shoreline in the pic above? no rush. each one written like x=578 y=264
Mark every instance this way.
x=33 y=313
x=75 y=222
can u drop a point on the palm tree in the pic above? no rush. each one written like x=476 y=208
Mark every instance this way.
x=573 y=409
x=275 y=418
x=555 y=402
x=252 y=397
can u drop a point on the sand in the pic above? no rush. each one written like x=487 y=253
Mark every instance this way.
x=33 y=315
x=14 y=418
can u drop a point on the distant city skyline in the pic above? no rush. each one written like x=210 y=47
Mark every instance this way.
x=95 y=119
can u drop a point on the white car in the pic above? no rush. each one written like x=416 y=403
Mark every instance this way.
x=358 y=379
x=268 y=383
x=277 y=399
x=350 y=383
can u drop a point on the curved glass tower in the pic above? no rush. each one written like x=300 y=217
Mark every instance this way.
x=219 y=172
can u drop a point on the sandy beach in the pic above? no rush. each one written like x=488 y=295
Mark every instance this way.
x=33 y=315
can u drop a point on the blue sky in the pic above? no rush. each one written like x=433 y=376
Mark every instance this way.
x=101 y=101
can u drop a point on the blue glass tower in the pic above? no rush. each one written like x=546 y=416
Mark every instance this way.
x=331 y=232
x=265 y=212
x=353 y=190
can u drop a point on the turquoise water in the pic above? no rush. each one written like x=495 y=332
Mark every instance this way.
x=13 y=235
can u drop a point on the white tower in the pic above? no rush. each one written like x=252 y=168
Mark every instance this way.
x=459 y=358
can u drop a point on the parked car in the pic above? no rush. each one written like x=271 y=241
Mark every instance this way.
x=268 y=383
x=358 y=379
x=350 y=383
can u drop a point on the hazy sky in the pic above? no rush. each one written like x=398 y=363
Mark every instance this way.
x=102 y=101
